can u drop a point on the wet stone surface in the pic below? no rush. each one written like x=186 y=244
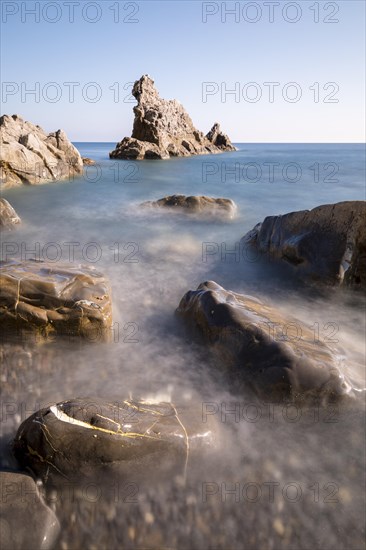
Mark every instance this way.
x=48 y=299
x=77 y=437
x=201 y=205
x=239 y=330
x=26 y=522
x=323 y=245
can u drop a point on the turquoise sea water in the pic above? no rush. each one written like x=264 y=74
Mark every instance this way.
x=153 y=258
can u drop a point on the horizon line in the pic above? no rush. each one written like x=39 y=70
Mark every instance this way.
x=267 y=142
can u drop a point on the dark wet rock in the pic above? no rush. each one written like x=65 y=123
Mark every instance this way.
x=8 y=216
x=88 y=162
x=248 y=338
x=326 y=244
x=77 y=437
x=25 y=520
x=29 y=155
x=195 y=205
x=163 y=129
x=47 y=299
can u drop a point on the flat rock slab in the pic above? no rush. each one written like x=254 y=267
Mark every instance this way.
x=78 y=437
x=260 y=349
x=195 y=205
x=8 y=216
x=25 y=520
x=163 y=129
x=30 y=156
x=326 y=244
x=47 y=299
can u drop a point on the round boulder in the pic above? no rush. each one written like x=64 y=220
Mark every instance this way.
x=78 y=437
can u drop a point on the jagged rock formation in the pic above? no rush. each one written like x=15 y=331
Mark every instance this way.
x=163 y=129
x=28 y=155
x=326 y=244
x=40 y=299
x=207 y=206
x=8 y=216
x=260 y=349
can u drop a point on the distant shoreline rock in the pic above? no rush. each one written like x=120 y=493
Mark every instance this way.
x=326 y=244
x=30 y=156
x=163 y=129
x=195 y=205
x=88 y=162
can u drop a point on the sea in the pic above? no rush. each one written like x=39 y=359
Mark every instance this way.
x=311 y=461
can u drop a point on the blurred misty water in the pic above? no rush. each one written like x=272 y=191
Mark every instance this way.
x=151 y=260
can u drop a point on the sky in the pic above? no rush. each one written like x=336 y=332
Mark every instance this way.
x=296 y=70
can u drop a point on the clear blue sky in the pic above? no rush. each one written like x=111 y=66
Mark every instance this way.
x=170 y=41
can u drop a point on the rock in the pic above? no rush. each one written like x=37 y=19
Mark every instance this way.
x=88 y=162
x=25 y=520
x=249 y=341
x=45 y=299
x=8 y=216
x=195 y=205
x=219 y=139
x=163 y=129
x=80 y=436
x=29 y=155
x=326 y=244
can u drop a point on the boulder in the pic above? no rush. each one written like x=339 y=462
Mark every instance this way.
x=163 y=129
x=326 y=244
x=81 y=436
x=46 y=299
x=29 y=155
x=8 y=216
x=195 y=205
x=260 y=349
x=25 y=520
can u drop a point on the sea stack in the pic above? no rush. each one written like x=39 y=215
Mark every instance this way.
x=163 y=129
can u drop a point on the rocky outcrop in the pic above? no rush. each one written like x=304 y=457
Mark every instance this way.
x=25 y=520
x=163 y=129
x=326 y=244
x=8 y=216
x=88 y=162
x=259 y=349
x=45 y=299
x=195 y=205
x=29 y=155
x=80 y=436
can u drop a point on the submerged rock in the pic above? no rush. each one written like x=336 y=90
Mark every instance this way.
x=326 y=244
x=195 y=205
x=76 y=438
x=260 y=349
x=46 y=299
x=25 y=520
x=163 y=129
x=29 y=155
x=8 y=216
